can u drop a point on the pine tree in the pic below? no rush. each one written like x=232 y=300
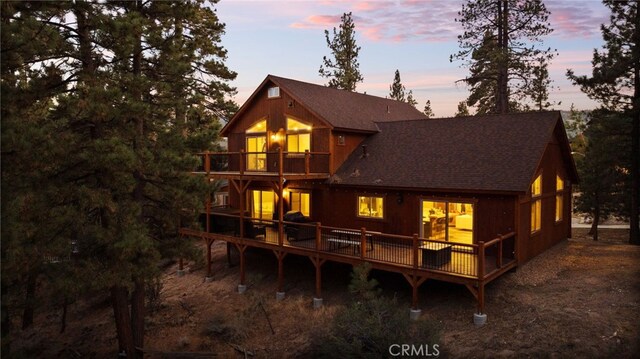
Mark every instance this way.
x=427 y=110
x=615 y=83
x=499 y=41
x=396 y=89
x=601 y=167
x=463 y=110
x=410 y=100
x=343 y=71
x=539 y=86
x=128 y=100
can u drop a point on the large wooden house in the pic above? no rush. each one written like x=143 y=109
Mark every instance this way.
x=456 y=199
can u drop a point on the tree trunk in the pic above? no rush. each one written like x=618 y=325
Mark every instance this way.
x=137 y=316
x=63 y=319
x=502 y=100
x=120 y=303
x=596 y=219
x=6 y=322
x=634 y=231
x=29 y=300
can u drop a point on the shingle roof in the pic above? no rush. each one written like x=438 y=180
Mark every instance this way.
x=487 y=153
x=342 y=109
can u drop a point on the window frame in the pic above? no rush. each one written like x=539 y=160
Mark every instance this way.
x=448 y=201
x=300 y=193
x=536 y=205
x=289 y=132
x=559 y=199
x=365 y=195
x=269 y=92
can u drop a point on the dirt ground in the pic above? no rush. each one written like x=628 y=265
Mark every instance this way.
x=579 y=299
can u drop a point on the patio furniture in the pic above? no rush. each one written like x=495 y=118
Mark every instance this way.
x=348 y=238
x=435 y=254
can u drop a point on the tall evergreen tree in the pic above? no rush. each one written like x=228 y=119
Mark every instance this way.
x=131 y=107
x=499 y=44
x=396 y=89
x=463 y=110
x=410 y=100
x=427 y=110
x=615 y=83
x=343 y=70
x=601 y=167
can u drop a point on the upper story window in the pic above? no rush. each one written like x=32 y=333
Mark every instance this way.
x=536 y=204
x=372 y=207
x=298 y=136
x=559 y=197
x=258 y=127
x=273 y=92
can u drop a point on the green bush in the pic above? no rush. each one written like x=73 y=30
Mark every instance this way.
x=368 y=326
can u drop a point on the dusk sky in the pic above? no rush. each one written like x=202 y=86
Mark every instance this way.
x=286 y=38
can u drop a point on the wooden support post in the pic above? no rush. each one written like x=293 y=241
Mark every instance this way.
x=318 y=264
x=280 y=255
x=499 y=255
x=241 y=160
x=180 y=264
x=318 y=236
x=209 y=261
x=281 y=180
x=481 y=249
x=241 y=193
x=415 y=251
x=306 y=162
x=241 y=249
x=208 y=212
x=363 y=242
x=481 y=259
x=207 y=163
x=414 y=294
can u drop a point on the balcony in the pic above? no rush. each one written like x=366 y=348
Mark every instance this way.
x=263 y=165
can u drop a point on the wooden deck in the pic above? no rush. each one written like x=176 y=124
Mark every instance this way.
x=473 y=265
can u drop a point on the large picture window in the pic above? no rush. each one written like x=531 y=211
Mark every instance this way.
x=449 y=221
x=372 y=207
x=536 y=204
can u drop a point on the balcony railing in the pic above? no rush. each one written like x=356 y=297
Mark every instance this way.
x=479 y=261
x=265 y=162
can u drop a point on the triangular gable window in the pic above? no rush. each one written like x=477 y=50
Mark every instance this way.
x=258 y=127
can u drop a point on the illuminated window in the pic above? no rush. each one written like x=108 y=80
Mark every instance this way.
x=298 y=136
x=449 y=221
x=256 y=160
x=262 y=204
x=559 y=196
x=273 y=92
x=300 y=202
x=258 y=127
x=372 y=207
x=536 y=204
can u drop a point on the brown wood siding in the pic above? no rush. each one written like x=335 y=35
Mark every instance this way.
x=551 y=232
x=276 y=110
x=342 y=152
x=337 y=207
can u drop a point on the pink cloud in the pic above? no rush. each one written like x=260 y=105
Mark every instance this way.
x=317 y=21
x=577 y=19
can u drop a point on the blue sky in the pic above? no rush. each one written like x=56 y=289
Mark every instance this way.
x=286 y=38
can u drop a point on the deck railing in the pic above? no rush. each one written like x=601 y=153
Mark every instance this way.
x=470 y=260
x=264 y=162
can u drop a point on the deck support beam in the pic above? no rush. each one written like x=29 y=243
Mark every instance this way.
x=415 y=280
x=209 y=242
x=241 y=248
x=280 y=256
x=317 y=263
